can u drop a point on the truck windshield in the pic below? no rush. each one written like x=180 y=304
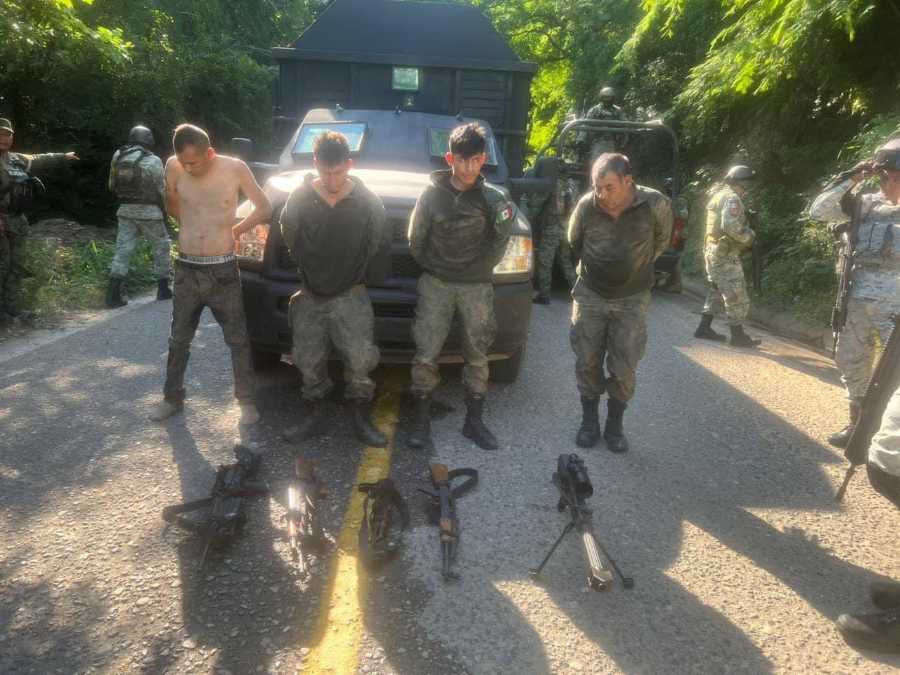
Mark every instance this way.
x=355 y=133
x=439 y=143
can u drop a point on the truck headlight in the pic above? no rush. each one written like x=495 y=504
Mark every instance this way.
x=518 y=256
x=252 y=244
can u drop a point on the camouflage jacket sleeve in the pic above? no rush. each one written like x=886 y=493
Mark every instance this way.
x=112 y=173
x=378 y=235
x=575 y=232
x=419 y=225
x=38 y=163
x=662 y=227
x=504 y=215
x=827 y=207
x=734 y=222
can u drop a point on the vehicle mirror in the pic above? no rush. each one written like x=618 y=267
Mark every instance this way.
x=242 y=148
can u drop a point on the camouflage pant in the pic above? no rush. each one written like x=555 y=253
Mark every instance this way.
x=12 y=259
x=726 y=278
x=553 y=245
x=438 y=302
x=614 y=331
x=860 y=343
x=130 y=230
x=219 y=288
x=345 y=321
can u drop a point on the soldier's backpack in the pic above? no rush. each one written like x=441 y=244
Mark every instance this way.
x=131 y=185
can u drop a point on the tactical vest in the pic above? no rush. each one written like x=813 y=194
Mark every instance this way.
x=133 y=185
x=878 y=236
x=17 y=188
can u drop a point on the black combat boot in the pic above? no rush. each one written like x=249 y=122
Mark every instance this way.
x=705 y=331
x=420 y=434
x=363 y=428
x=842 y=437
x=879 y=632
x=541 y=299
x=613 y=432
x=885 y=594
x=474 y=428
x=114 y=297
x=740 y=339
x=310 y=423
x=589 y=431
x=163 y=292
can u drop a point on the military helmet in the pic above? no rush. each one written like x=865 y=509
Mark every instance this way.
x=141 y=135
x=738 y=173
x=888 y=156
x=6 y=125
x=607 y=93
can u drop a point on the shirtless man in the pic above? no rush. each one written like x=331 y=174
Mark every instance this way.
x=202 y=190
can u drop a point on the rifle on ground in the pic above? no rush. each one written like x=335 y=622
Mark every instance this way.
x=443 y=509
x=882 y=384
x=304 y=528
x=574 y=485
x=378 y=541
x=224 y=509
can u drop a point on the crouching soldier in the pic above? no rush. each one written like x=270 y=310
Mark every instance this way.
x=334 y=227
x=458 y=232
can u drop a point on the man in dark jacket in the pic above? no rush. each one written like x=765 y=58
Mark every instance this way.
x=334 y=227
x=458 y=232
x=617 y=231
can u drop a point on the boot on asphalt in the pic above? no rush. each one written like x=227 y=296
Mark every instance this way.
x=589 y=431
x=879 y=632
x=541 y=299
x=165 y=409
x=163 y=292
x=474 y=428
x=613 y=431
x=249 y=414
x=705 y=331
x=842 y=437
x=420 y=435
x=740 y=339
x=362 y=425
x=114 y=293
x=885 y=594
x=309 y=424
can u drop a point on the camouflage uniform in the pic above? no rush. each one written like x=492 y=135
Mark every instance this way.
x=141 y=215
x=601 y=142
x=612 y=294
x=727 y=236
x=457 y=238
x=15 y=169
x=544 y=211
x=217 y=286
x=884 y=451
x=334 y=248
x=875 y=291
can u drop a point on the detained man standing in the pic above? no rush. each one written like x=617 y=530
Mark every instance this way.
x=202 y=191
x=458 y=232
x=617 y=231
x=334 y=227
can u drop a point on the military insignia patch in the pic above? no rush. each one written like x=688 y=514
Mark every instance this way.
x=507 y=213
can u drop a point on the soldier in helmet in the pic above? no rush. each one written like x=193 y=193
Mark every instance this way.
x=728 y=236
x=137 y=177
x=605 y=110
x=17 y=189
x=874 y=295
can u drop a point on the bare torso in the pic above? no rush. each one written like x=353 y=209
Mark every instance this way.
x=207 y=206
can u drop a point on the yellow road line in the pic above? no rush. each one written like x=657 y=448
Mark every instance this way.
x=340 y=624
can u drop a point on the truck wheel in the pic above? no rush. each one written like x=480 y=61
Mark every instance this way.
x=507 y=370
x=263 y=359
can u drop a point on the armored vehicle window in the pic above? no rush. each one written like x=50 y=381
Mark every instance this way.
x=405 y=79
x=354 y=131
x=439 y=143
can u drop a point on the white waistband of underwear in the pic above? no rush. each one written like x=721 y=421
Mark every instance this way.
x=206 y=259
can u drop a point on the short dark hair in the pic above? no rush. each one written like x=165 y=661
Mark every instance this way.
x=188 y=134
x=611 y=162
x=468 y=140
x=331 y=148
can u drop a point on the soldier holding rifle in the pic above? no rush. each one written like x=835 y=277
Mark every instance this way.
x=872 y=273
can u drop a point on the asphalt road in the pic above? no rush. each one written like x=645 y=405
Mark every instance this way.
x=723 y=513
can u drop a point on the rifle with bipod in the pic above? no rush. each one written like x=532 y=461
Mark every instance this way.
x=378 y=540
x=304 y=528
x=574 y=485
x=884 y=380
x=223 y=515
x=442 y=511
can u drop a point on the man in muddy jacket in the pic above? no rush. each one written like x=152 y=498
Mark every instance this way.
x=458 y=232
x=617 y=231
